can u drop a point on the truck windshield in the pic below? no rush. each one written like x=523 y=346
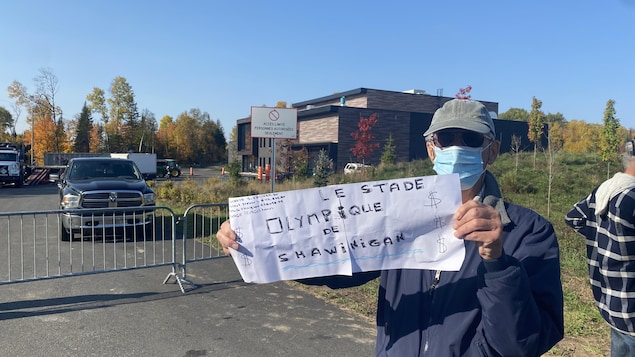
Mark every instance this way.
x=92 y=170
x=8 y=156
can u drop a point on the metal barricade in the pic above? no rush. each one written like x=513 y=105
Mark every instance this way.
x=200 y=223
x=36 y=245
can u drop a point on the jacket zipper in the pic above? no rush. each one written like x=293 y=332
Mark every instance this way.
x=435 y=281
x=433 y=286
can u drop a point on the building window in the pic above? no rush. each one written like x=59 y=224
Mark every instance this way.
x=244 y=137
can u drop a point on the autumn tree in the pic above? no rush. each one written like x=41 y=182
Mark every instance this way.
x=556 y=134
x=146 y=132
x=192 y=138
x=301 y=163
x=123 y=115
x=19 y=92
x=97 y=104
x=46 y=133
x=97 y=143
x=165 y=132
x=580 y=137
x=609 y=141
x=47 y=85
x=536 y=125
x=187 y=123
x=363 y=138
x=119 y=115
x=284 y=156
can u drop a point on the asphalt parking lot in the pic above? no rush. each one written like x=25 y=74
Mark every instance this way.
x=133 y=313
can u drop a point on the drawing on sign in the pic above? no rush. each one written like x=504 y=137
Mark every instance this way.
x=434 y=201
x=439 y=222
x=238 y=232
x=442 y=247
x=246 y=260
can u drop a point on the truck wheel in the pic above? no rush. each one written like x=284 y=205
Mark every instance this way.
x=176 y=173
x=65 y=235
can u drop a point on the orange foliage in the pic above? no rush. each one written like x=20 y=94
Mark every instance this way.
x=580 y=137
x=44 y=130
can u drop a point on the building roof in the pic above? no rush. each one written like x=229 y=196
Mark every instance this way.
x=330 y=97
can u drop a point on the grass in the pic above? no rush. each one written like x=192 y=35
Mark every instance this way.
x=575 y=175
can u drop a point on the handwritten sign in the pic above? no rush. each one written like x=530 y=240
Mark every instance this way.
x=342 y=229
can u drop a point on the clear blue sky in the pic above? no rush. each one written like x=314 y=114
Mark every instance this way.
x=222 y=57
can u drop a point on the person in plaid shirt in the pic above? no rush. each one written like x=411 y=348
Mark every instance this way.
x=606 y=218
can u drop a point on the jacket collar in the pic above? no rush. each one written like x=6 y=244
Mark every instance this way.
x=491 y=195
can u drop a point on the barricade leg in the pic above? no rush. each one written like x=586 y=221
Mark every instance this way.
x=179 y=280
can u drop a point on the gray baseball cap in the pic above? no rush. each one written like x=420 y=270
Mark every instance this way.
x=462 y=114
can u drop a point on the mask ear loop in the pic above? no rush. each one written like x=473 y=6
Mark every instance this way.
x=491 y=141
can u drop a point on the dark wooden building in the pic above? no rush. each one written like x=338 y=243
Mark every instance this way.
x=327 y=123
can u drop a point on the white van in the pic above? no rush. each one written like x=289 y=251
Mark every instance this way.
x=354 y=167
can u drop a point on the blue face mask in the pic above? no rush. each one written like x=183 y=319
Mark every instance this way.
x=463 y=160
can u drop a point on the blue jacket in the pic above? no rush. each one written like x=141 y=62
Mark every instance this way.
x=509 y=307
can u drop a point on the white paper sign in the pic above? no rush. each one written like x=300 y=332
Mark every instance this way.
x=343 y=229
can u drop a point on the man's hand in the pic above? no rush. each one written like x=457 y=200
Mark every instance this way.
x=226 y=237
x=481 y=224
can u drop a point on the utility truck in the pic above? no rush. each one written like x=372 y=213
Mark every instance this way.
x=12 y=166
x=147 y=163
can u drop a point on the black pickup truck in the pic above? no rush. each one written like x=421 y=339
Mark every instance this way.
x=99 y=196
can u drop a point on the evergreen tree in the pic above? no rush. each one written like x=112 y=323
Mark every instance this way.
x=388 y=156
x=131 y=130
x=609 y=141
x=221 y=142
x=322 y=169
x=233 y=170
x=82 y=133
x=6 y=120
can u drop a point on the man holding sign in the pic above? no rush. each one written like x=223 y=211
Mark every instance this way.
x=506 y=298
